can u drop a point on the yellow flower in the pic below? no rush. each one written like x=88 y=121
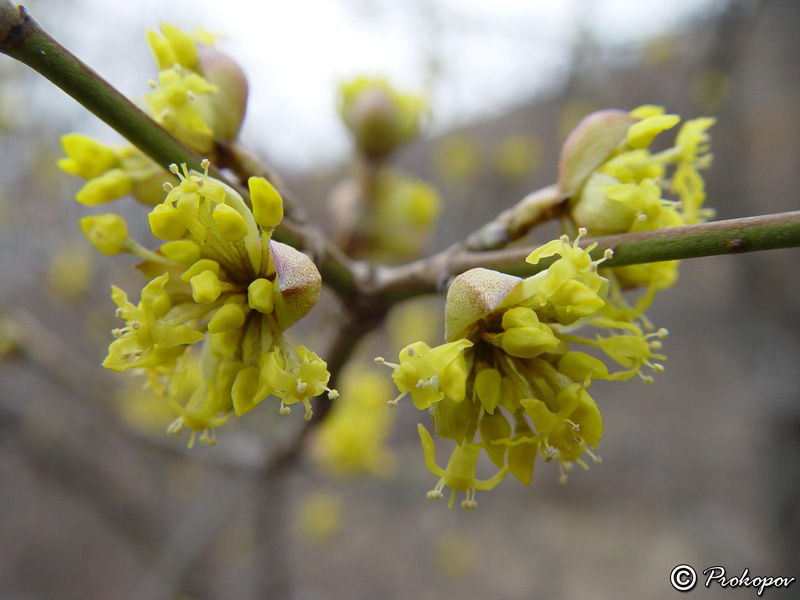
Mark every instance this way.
x=513 y=351
x=179 y=101
x=380 y=117
x=618 y=186
x=221 y=280
x=429 y=374
x=460 y=474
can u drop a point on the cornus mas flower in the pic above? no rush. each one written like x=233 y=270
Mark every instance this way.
x=512 y=373
x=221 y=295
x=616 y=184
x=200 y=97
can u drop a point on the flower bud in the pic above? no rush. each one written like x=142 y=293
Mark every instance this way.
x=86 y=157
x=204 y=264
x=528 y=342
x=108 y=232
x=227 y=318
x=472 y=296
x=230 y=223
x=589 y=145
x=205 y=287
x=113 y=184
x=267 y=202
x=592 y=208
x=259 y=296
x=185 y=252
x=229 y=103
x=380 y=117
x=298 y=283
x=166 y=222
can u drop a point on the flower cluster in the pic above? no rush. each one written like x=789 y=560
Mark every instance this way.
x=513 y=370
x=381 y=213
x=380 y=117
x=616 y=184
x=220 y=296
x=200 y=97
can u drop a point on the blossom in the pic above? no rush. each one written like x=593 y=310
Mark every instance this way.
x=200 y=97
x=380 y=117
x=218 y=279
x=512 y=380
x=460 y=472
x=617 y=184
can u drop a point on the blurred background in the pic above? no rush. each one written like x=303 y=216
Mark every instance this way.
x=701 y=468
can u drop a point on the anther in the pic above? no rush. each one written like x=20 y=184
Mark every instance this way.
x=434 y=495
x=302 y=387
x=167 y=187
x=174 y=169
x=379 y=360
x=285 y=410
x=469 y=505
x=152 y=84
x=205 y=164
x=135 y=325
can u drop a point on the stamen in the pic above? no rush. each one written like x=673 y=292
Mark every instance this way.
x=152 y=84
x=302 y=387
x=393 y=403
x=285 y=410
x=597 y=459
x=422 y=383
x=435 y=495
x=174 y=169
x=176 y=426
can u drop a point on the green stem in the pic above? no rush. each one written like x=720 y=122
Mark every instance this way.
x=23 y=39
x=735 y=236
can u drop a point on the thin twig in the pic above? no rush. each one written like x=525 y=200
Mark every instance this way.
x=733 y=236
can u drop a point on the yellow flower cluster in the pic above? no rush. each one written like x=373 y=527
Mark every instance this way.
x=200 y=96
x=220 y=296
x=380 y=117
x=624 y=191
x=511 y=371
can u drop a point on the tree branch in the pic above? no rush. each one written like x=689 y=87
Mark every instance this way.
x=23 y=39
x=734 y=236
